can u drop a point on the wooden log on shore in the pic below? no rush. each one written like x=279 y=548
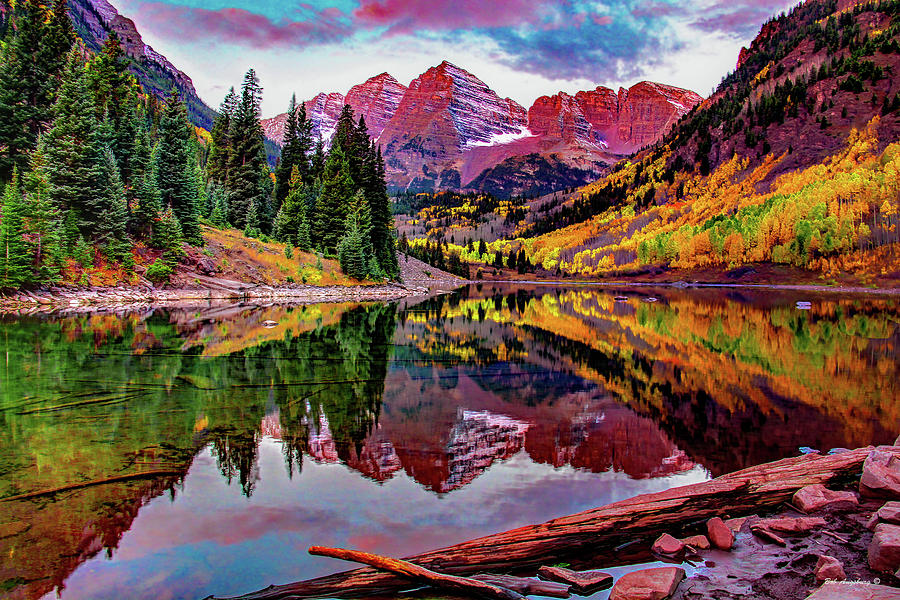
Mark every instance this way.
x=473 y=587
x=600 y=530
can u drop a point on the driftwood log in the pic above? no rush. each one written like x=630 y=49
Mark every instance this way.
x=419 y=574
x=600 y=530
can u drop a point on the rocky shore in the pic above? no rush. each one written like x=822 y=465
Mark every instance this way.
x=417 y=280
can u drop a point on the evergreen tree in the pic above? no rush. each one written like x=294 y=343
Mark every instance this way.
x=167 y=236
x=304 y=240
x=247 y=168
x=219 y=215
x=317 y=163
x=331 y=208
x=147 y=203
x=382 y=233
x=31 y=64
x=354 y=250
x=73 y=152
x=294 y=153
x=292 y=212
x=44 y=224
x=220 y=148
x=113 y=220
x=14 y=261
x=174 y=169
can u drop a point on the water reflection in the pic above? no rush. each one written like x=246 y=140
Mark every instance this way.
x=537 y=402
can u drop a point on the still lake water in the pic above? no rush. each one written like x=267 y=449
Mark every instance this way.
x=400 y=428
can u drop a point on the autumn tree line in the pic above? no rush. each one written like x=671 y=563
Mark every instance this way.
x=91 y=164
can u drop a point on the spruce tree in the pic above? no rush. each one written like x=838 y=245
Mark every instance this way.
x=292 y=212
x=147 y=203
x=113 y=220
x=14 y=260
x=331 y=208
x=167 y=236
x=382 y=233
x=317 y=162
x=220 y=148
x=174 y=179
x=247 y=162
x=219 y=215
x=74 y=157
x=44 y=224
x=31 y=64
x=354 y=250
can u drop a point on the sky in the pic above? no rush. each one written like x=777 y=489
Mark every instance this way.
x=522 y=49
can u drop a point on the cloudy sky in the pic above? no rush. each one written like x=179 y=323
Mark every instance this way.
x=521 y=48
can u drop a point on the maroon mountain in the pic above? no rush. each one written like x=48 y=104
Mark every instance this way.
x=449 y=130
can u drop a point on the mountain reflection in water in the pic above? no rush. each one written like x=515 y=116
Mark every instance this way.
x=399 y=428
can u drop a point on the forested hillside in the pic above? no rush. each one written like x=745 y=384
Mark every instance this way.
x=793 y=160
x=95 y=170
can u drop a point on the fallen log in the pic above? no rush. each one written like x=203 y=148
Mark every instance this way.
x=419 y=574
x=526 y=586
x=601 y=530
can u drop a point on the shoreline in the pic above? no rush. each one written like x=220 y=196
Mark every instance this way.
x=90 y=299
x=128 y=298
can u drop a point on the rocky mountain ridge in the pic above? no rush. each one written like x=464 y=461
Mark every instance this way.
x=449 y=130
x=94 y=20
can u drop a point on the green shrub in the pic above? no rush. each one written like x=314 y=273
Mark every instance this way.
x=159 y=271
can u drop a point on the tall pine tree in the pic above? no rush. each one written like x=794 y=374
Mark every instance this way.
x=295 y=151
x=331 y=208
x=247 y=165
x=14 y=260
x=174 y=168
x=220 y=147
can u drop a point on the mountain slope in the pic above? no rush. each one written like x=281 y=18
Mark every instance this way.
x=95 y=19
x=794 y=159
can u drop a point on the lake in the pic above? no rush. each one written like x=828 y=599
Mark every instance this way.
x=183 y=453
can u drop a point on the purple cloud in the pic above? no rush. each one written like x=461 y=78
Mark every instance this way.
x=239 y=26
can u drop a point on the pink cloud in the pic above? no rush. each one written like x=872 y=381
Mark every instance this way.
x=602 y=20
x=241 y=26
x=406 y=16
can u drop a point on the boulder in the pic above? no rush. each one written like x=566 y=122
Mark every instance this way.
x=791 y=524
x=853 y=590
x=666 y=545
x=831 y=568
x=206 y=266
x=583 y=583
x=884 y=550
x=889 y=513
x=648 y=584
x=881 y=475
x=736 y=524
x=816 y=497
x=719 y=534
x=697 y=542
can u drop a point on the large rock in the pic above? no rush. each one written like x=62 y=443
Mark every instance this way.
x=854 y=590
x=884 y=550
x=816 y=497
x=666 y=545
x=648 y=584
x=829 y=568
x=791 y=524
x=583 y=583
x=881 y=475
x=697 y=542
x=719 y=534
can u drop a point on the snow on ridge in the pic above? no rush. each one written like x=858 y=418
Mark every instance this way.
x=499 y=139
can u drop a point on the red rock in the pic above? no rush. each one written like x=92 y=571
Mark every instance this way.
x=889 y=513
x=791 y=524
x=766 y=534
x=666 y=545
x=853 y=590
x=582 y=582
x=829 y=568
x=816 y=497
x=376 y=100
x=719 y=534
x=884 y=550
x=881 y=475
x=697 y=542
x=647 y=584
x=736 y=523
